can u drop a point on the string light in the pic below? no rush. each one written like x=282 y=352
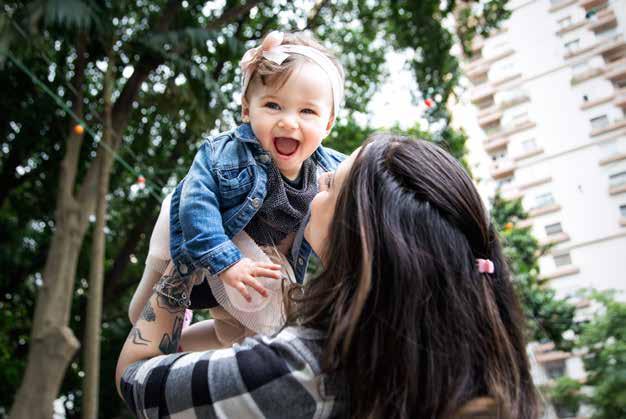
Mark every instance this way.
x=429 y=102
x=78 y=129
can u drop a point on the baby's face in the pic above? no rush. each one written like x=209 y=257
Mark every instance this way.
x=290 y=122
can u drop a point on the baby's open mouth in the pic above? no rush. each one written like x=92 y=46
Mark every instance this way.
x=286 y=146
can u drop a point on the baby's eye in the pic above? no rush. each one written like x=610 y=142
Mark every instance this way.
x=309 y=111
x=272 y=105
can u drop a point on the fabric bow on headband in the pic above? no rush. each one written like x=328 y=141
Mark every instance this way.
x=272 y=49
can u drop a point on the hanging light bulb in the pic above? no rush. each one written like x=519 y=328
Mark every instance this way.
x=141 y=182
x=78 y=129
x=429 y=102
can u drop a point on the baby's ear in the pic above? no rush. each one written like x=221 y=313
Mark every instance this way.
x=245 y=110
x=329 y=126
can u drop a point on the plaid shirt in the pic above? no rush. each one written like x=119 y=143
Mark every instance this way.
x=277 y=377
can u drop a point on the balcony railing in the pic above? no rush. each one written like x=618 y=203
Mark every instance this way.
x=603 y=20
x=590 y=4
x=511 y=129
x=496 y=144
x=503 y=169
x=587 y=74
x=558 y=5
x=620 y=98
x=615 y=125
x=489 y=118
x=482 y=92
x=616 y=70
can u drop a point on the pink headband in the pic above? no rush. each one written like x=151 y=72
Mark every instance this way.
x=485 y=266
x=273 y=50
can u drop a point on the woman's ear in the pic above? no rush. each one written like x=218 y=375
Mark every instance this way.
x=245 y=110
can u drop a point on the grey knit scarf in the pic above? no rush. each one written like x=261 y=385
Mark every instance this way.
x=284 y=206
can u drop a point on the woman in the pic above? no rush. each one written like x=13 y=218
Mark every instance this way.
x=413 y=316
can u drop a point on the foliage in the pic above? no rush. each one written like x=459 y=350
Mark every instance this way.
x=548 y=316
x=565 y=394
x=604 y=341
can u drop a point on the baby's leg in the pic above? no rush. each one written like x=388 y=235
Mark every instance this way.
x=156 y=262
x=227 y=328
x=200 y=336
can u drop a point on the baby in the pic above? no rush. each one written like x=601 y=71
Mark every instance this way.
x=256 y=180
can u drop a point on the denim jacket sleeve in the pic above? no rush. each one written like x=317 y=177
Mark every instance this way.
x=196 y=216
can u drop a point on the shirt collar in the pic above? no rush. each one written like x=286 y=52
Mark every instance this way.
x=244 y=133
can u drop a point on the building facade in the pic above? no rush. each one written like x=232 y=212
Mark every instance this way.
x=545 y=110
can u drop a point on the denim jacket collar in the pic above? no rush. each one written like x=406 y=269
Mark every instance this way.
x=244 y=133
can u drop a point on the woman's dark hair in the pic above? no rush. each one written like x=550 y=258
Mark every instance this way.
x=414 y=328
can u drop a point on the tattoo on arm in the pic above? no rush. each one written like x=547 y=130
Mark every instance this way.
x=148 y=313
x=169 y=343
x=136 y=338
x=173 y=293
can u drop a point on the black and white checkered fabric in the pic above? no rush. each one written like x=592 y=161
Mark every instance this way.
x=277 y=377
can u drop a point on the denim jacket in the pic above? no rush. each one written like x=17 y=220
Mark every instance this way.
x=218 y=197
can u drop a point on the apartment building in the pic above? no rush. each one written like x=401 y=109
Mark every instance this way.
x=547 y=123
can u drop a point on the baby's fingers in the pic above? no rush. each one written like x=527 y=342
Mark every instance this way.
x=266 y=273
x=254 y=284
x=243 y=290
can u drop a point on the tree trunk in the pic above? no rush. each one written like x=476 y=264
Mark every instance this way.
x=94 y=302
x=52 y=343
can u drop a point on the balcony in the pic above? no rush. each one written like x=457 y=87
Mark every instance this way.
x=489 y=118
x=558 y=5
x=620 y=98
x=603 y=20
x=479 y=63
x=511 y=129
x=590 y=4
x=502 y=169
x=561 y=272
x=572 y=27
x=477 y=72
x=528 y=154
x=544 y=209
x=616 y=70
x=555 y=239
x=506 y=104
x=587 y=75
x=597 y=102
x=612 y=48
x=482 y=92
x=491 y=146
x=612 y=126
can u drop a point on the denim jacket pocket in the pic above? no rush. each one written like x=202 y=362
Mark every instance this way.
x=233 y=183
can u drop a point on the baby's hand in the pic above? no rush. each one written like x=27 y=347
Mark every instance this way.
x=245 y=272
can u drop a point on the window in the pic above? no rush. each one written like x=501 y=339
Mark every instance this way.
x=599 y=122
x=580 y=67
x=555 y=369
x=572 y=46
x=544 y=200
x=504 y=181
x=585 y=98
x=553 y=229
x=622 y=210
x=564 y=411
x=565 y=22
x=499 y=156
x=529 y=145
x=620 y=84
x=617 y=179
x=562 y=260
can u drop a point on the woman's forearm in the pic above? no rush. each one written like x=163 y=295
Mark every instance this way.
x=158 y=329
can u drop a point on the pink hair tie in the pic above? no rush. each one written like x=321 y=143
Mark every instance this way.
x=485 y=266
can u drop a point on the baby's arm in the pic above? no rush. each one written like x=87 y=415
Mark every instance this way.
x=206 y=241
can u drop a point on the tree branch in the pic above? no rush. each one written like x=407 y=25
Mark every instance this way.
x=231 y=15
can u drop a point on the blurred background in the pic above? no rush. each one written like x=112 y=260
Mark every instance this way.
x=105 y=103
